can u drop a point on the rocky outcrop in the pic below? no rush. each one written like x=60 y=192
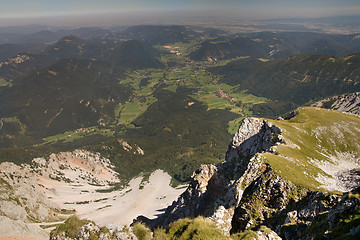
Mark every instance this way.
x=245 y=195
x=349 y=103
x=294 y=212
x=74 y=228
x=262 y=198
x=215 y=192
x=255 y=135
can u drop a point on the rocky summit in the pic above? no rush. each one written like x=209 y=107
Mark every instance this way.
x=262 y=183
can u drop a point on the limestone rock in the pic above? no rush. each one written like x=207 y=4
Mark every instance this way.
x=13 y=228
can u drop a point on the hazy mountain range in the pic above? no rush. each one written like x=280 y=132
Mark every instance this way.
x=134 y=100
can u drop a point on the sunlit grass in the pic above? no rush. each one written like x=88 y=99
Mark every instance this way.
x=313 y=134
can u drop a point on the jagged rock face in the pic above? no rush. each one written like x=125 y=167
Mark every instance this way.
x=261 y=199
x=194 y=201
x=214 y=192
x=319 y=216
x=349 y=103
x=254 y=135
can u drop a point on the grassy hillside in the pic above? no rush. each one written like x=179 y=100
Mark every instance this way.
x=68 y=95
x=274 y=45
x=225 y=49
x=318 y=144
x=131 y=54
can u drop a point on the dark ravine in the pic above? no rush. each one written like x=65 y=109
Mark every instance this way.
x=244 y=193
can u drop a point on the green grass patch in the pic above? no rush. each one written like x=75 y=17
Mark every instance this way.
x=141 y=231
x=198 y=228
x=233 y=125
x=70 y=136
x=13 y=122
x=4 y=83
x=70 y=227
x=130 y=111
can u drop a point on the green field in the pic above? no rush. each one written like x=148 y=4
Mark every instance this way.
x=79 y=133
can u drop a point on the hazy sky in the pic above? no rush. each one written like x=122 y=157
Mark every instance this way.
x=16 y=9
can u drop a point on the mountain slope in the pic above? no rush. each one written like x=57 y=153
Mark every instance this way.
x=237 y=47
x=303 y=77
x=158 y=34
x=132 y=53
x=275 y=45
x=9 y=50
x=285 y=44
x=135 y=54
x=176 y=128
x=286 y=177
x=67 y=95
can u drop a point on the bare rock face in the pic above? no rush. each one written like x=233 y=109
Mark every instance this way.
x=261 y=199
x=349 y=103
x=254 y=135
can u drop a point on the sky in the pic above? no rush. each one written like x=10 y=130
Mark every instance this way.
x=258 y=9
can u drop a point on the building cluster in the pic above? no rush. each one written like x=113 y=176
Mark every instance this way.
x=16 y=60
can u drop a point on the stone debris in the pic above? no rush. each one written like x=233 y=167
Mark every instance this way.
x=348 y=103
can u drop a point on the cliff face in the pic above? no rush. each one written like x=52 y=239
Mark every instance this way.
x=246 y=192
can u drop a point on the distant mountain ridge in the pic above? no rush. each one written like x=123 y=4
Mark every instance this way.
x=277 y=45
x=240 y=46
x=304 y=77
x=131 y=53
x=159 y=34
